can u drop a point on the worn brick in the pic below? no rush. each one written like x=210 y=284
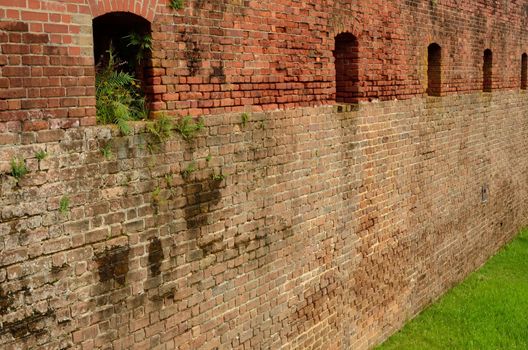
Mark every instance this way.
x=316 y=226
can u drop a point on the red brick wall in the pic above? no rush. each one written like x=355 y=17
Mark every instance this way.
x=214 y=57
x=334 y=225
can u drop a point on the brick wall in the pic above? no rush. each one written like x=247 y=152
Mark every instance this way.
x=224 y=56
x=329 y=230
x=333 y=225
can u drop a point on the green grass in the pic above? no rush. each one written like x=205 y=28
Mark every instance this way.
x=489 y=310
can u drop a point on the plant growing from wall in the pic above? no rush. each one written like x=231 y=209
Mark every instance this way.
x=161 y=129
x=118 y=96
x=18 y=168
x=64 y=205
x=106 y=151
x=191 y=168
x=140 y=44
x=188 y=127
x=245 y=118
x=168 y=180
x=40 y=155
x=157 y=199
x=156 y=194
x=176 y=4
x=218 y=177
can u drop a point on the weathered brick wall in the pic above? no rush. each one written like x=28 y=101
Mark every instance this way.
x=331 y=228
x=223 y=56
x=329 y=231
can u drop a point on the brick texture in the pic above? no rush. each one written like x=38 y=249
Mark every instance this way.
x=330 y=226
x=226 y=56
x=330 y=230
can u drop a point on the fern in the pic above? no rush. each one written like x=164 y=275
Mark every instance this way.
x=161 y=129
x=140 y=43
x=118 y=97
x=188 y=128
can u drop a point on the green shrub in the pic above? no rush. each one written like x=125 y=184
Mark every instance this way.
x=140 y=44
x=118 y=96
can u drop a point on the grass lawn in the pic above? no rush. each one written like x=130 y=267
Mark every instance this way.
x=489 y=310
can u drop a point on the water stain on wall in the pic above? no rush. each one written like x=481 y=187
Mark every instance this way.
x=113 y=264
x=6 y=300
x=30 y=325
x=200 y=195
x=155 y=256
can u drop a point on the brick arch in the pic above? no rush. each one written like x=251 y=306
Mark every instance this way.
x=143 y=8
x=350 y=29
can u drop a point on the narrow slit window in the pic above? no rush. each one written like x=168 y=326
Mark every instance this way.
x=434 y=70
x=488 y=71
x=524 y=71
x=122 y=55
x=347 y=68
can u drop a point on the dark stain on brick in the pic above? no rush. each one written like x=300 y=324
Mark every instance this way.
x=168 y=295
x=6 y=301
x=218 y=70
x=28 y=326
x=58 y=269
x=201 y=196
x=218 y=74
x=14 y=26
x=113 y=264
x=315 y=300
x=192 y=54
x=207 y=5
x=32 y=38
x=13 y=227
x=155 y=256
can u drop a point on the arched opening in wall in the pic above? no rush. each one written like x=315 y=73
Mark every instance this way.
x=487 y=71
x=347 y=68
x=122 y=52
x=434 y=70
x=524 y=71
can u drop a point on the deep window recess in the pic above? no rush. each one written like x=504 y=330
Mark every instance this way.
x=347 y=68
x=434 y=70
x=487 y=71
x=524 y=71
x=122 y=53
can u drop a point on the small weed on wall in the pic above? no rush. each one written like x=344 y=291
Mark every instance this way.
x=40 y=155
x=64 y=205
x=18 y=168
x=161 y=129
x=176 y=4
x=188 y=127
